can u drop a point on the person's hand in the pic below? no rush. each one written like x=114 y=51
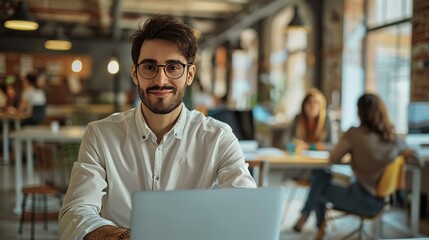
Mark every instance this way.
x=301 y=145
x=108 y=232
x=11 y=110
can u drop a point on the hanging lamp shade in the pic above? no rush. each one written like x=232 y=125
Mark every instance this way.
x=21 y=19
x=59 y=42
x=296 y=22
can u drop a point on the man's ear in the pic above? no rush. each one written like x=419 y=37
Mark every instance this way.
x=191 y=75
x=134 y=74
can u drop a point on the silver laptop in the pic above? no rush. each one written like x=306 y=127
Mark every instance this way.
x=221 y=214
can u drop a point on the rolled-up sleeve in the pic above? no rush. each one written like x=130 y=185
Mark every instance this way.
x=233 y=170
x=80 y=213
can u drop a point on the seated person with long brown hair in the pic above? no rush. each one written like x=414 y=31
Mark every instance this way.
x=372 y=145
x=311 y=128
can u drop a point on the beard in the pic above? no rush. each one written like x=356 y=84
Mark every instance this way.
x=162 y=105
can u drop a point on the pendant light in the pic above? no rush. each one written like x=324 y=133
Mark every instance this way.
x=59 y=42
x=296 y=22
x=21 y=19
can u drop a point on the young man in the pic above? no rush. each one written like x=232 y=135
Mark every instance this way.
x=160 y=145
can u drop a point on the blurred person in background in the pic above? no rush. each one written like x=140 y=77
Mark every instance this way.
x=372 y=146
x=311 y=128
x=32 y=101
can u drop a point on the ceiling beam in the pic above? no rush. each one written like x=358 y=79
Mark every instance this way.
x=239 y=23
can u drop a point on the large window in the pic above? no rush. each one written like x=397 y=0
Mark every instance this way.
x=388 y=52
x=386 y=42
x=388 y=69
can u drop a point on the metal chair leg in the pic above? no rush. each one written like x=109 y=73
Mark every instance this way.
x=45 y=212
x=33 y=214
x=21 y=222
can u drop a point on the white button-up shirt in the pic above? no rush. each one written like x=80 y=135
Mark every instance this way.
x=119 y=155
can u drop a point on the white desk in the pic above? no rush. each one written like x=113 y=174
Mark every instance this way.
x=32 y=134
x=278 y=159
x=6 y=117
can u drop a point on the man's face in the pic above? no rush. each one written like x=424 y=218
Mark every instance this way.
x=162 y=94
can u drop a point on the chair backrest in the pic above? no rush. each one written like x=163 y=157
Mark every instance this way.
x=392 y=177
x=258 y=169
x=45 y=161
x=65 y=156
x=39 y=113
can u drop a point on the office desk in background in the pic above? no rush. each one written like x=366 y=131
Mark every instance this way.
x=6 y=117
x=29 y=135
x=279 y=159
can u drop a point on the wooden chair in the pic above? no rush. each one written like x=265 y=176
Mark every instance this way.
x=258 y=169
x=390 y=181
x=54 y=164
x=45 y=166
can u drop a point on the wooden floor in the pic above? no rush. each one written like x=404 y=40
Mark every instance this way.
x=394 y=226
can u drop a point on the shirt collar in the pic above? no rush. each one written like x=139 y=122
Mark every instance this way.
x=180 y=124
x=141 y=124
x=144 y=129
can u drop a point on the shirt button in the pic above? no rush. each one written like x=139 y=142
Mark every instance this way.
x=156 y=178
x=144 y=137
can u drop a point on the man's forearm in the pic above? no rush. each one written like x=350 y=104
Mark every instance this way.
x=107 y=232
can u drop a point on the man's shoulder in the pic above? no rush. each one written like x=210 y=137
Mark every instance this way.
x=208 y=122
x=116 y=117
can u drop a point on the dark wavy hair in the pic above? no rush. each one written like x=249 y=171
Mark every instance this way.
x=373 y=115
x=168 y=28
x=32 y=79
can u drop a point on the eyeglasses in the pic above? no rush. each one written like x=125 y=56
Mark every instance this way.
x=172 y=70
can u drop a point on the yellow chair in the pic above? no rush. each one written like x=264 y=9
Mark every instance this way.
x=390 y=181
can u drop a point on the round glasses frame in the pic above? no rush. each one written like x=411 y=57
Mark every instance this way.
x=164 y=66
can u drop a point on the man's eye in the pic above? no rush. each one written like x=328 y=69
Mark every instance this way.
x=150 y=67
x=173 y=67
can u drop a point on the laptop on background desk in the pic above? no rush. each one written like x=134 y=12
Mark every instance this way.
x=221 y=214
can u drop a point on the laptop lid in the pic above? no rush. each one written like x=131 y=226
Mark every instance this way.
x=227 y=214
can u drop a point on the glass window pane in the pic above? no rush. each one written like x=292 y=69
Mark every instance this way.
x=375 y=12
x=382 y=12
x=394 y=10
x=408 y=4
x=388 y=69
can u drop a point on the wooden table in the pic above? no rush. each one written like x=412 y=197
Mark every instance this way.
x=279 y=159
x=6 y=117
x=29 y=135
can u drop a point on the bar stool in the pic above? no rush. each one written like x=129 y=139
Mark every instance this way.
x=45 y=155
x=33 y=191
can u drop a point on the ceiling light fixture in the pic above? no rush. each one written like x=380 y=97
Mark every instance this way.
x=296 y=22
x=21 y=19
x=59 y=42
x=76 y=65
x=113 y=66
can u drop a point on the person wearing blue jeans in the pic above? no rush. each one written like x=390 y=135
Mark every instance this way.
x=353 y=198
x=372 y=145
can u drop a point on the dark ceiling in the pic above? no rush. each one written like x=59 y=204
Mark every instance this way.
x=117 y=19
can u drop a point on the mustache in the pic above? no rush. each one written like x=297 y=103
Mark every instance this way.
x=160 y=88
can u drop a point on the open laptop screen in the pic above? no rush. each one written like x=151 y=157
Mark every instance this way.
x=227 y=214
